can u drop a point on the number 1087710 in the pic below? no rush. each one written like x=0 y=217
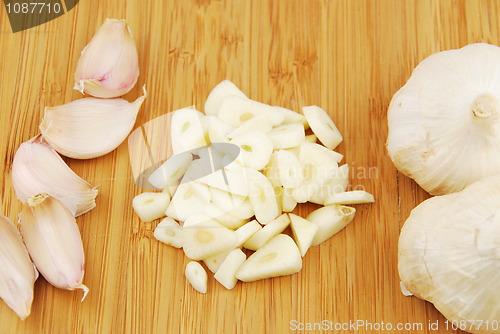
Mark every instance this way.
x=33 y=8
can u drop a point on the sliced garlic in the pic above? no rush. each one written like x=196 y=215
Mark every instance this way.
x=206 y=239
x=218 y=131
x=246 y=231
x=280 y=256
x=318 y=166
x=223 y=218
x=350 y=197
x=255 y=149
x=290 y=170
x=263 y=235
x=235 y=110
x=262 y=196
x=444 y=122
x=218 y=94
x=288 y=203
x=89 y=127
x=311 y=138
x=169 y=174
x=226 y=274
x=213 y=262
x=189 y=199
x=37 y=168
x=169 y=232
x=17 y=272
x=303 y=232
x=189 y=130
x=258 y=123
x=322 y=126
x=336 y=183
x=108 y=66
x=449 y=254
x=287 y=135
x=53 y=240
x=290 y=116
x=150 y=206
x=196 y=276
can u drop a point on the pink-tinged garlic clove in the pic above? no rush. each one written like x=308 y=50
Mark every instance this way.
x=89 y=127
x=37 y=168
x=17 y=272
x=108 y=66
x=53 y=241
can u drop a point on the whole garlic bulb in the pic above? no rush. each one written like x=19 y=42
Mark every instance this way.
x=444 y=124
x=449 y=254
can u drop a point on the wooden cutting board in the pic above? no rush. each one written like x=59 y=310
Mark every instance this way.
x=349 y=57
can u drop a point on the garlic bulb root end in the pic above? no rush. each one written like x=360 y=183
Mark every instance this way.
x=485 y=106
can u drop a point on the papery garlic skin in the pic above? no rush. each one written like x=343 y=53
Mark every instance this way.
x=37 y=168
x=108 y=66
x=444 y=123
x=89 y=127
x=449 y=254
x=17 y=272
x=53 y=240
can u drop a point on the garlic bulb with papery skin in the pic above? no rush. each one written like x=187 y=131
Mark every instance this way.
x=17 y=272
x=54 y=243
x=444 y=123
x=449 y=254
x=108 y=66
x=37 y=168
x=89 y=127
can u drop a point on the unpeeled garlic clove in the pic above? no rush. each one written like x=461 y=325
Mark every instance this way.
x=108 y=66
x=54 y=243
x=89 y=127
x=37 y=168
x=17 y=272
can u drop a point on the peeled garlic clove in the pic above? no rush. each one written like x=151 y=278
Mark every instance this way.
x=108 y=66
x=330 y=220
x=17 y=272
x=37 y=168
x=449 y=254
x=89 y=127
x=51 y=235
x=443 y=123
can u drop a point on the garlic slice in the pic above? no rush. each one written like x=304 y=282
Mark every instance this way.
x=54 y=243
x=17 y=272
x=449 y=254
x=108 y=66
x=89 y=127
x=444 y=123
x=37 y=168
x=196 y=276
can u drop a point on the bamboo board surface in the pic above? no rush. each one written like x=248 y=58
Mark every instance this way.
x=349 y=57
